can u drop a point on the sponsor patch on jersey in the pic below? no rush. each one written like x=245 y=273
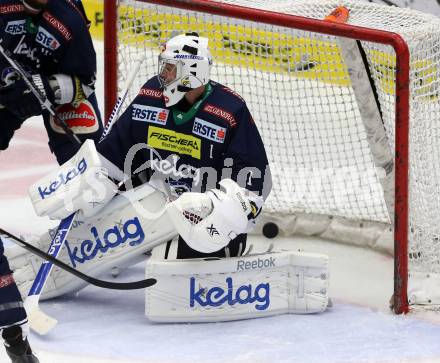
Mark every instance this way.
x=150 y=114
x=6 y=280
x=58 y=25
x=209 y=130
x=16 y=27
x=217 y=111
x=9 y=9
x=149 y=92
x=175 y=142
x=81 y=119
x=46 y=39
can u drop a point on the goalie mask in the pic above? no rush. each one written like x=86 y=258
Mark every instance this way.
x=184 y=64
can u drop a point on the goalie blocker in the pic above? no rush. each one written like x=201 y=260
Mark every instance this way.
x=207 y=290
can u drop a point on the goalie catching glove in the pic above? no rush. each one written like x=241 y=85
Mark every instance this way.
x=209 y=221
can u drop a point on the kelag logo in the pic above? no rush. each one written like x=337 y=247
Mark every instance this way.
x=63 y=178
x=130 y=230
x=217 y=296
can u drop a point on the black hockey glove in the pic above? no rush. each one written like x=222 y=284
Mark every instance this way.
x=18 y=99
x=8 y=124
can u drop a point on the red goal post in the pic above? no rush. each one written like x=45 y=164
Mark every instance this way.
x=263 y=16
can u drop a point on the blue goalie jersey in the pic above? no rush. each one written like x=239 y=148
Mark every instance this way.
x=214 y=139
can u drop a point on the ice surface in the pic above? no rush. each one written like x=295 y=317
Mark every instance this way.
x=106 y=323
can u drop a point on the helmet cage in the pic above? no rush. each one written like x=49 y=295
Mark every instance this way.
x=192 y=62
x=186 y=75
x=166 y=68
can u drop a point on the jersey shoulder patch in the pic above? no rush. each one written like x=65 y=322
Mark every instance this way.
x=11 y=8
x=59 y=25
x=220 y=113
x=225 y=104
x=151 y=89
x=68 y=17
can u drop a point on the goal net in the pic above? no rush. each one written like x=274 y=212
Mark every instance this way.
x=351 y=127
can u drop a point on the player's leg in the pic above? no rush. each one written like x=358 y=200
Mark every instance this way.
x=8 y=125
x=17 y=345
x=13 y=316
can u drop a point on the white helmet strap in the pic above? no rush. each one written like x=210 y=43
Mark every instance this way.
x=173 y=95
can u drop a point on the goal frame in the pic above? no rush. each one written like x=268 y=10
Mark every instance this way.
x=394 y=40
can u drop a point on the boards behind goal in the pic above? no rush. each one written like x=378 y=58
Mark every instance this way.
x=352 y=129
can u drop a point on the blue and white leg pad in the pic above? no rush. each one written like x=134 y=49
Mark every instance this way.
x=209 y=290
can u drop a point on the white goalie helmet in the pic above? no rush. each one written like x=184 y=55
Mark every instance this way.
x=184 y=64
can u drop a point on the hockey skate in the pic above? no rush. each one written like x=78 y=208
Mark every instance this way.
x=18 y=349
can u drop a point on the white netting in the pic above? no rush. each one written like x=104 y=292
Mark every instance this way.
x=298 y=89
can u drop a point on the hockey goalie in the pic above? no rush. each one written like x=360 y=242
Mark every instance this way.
x=182 y=173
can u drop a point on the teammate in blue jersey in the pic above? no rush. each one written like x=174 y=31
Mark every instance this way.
x=13 y=318
x=51 y=40
x=193 y=132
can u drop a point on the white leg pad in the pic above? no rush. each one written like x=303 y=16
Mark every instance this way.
x=130 y=225
x=209 y=290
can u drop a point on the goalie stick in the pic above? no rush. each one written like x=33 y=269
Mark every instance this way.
x=115 y=113
x=135 y=285
x=39 y=321
x=45 y=103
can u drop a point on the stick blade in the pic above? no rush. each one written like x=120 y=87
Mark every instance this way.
x=39 y=321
